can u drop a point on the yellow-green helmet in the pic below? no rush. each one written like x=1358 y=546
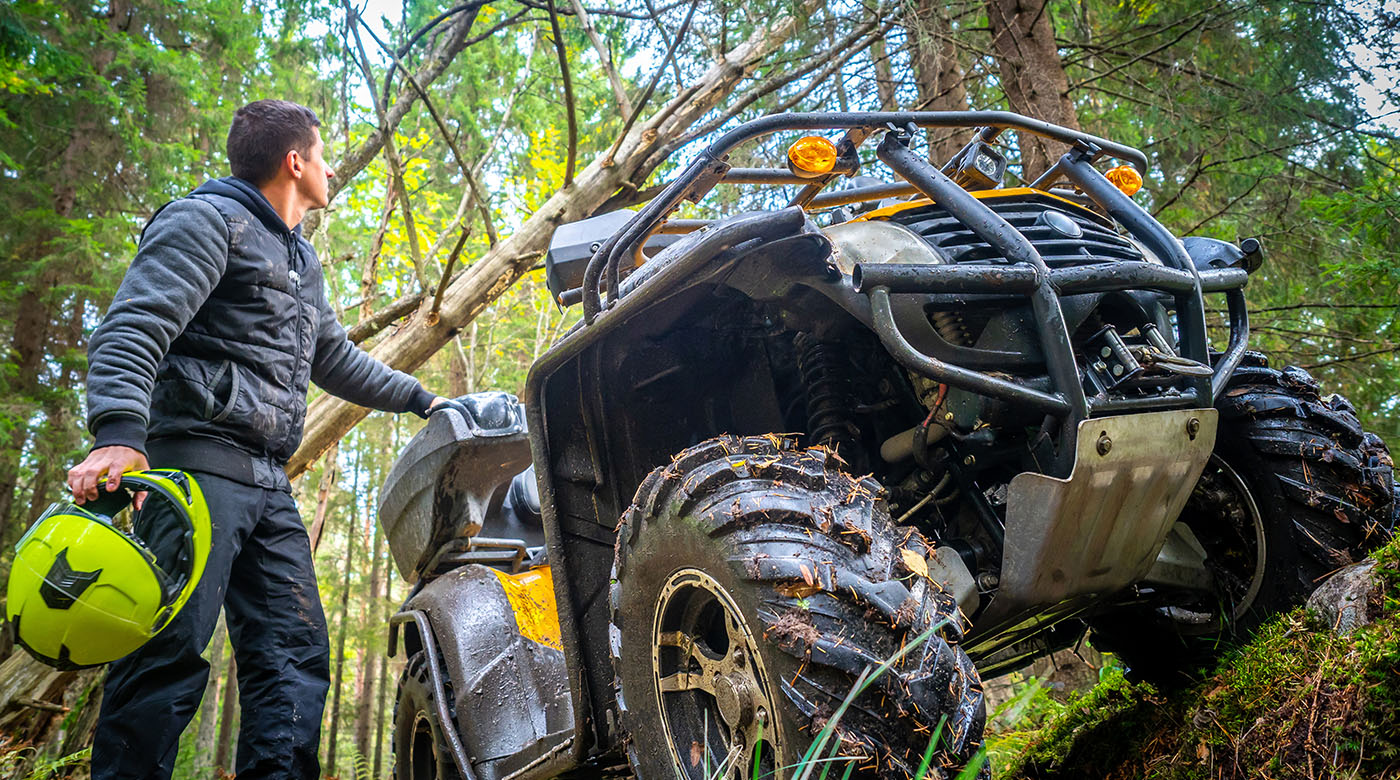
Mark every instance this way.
x=84 y=593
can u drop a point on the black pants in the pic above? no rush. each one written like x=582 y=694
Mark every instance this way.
x=260 y=571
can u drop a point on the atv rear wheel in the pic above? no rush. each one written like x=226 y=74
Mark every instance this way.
x=420 y=748
x=1294 y=490
x=752 y=585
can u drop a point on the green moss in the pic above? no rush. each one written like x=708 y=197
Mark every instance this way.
x=1099 y=728
x=1296 y=701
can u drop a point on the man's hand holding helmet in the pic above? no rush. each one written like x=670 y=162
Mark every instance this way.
x=109 y=464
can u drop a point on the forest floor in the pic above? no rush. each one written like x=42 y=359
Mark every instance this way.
x=1300 y=701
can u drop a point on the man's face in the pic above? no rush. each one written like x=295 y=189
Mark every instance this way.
x=314 y=184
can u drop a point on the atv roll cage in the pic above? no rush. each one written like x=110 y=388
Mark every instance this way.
x=1026 y=274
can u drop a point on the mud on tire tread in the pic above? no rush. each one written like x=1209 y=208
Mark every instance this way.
x=1338 y=478
x=786 y=519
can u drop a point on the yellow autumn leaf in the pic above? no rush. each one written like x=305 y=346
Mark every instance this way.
x=915 y=562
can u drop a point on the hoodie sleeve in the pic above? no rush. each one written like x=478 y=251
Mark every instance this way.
x=182 y=256
x=344 y=370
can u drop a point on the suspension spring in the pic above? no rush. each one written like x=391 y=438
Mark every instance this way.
x=829 y=420
x=950 y=326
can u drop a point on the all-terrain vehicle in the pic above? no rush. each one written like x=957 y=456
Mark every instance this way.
x=801 y=475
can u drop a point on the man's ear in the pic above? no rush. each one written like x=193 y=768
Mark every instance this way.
x=295 y=165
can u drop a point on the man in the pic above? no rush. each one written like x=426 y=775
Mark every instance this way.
x=202 y=364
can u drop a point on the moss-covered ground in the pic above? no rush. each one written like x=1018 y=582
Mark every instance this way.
x=1298 y=701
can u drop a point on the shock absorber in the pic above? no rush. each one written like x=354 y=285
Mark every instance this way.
x=829 y=421
x=950 y=326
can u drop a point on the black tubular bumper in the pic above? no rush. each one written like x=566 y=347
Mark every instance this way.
x=1024 y=274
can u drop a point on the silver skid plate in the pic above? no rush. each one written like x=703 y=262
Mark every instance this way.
x=1101 y=529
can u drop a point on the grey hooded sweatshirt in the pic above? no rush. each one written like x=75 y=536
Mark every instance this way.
x=217 y=328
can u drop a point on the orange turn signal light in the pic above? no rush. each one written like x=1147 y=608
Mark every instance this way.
x=811 y=156
x=1125 y=178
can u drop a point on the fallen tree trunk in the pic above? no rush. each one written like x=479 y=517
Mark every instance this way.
x=330 y=418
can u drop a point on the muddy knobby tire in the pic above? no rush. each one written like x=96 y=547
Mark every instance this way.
x=823 y=578
x=1314 y=461
x=1324 y=495
x=420 y=747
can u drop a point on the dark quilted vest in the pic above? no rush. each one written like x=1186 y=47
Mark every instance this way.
x=239 y=371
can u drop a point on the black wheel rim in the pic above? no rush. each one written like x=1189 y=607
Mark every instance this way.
x=1225 y=519
x=422 y=752
x=716 y=704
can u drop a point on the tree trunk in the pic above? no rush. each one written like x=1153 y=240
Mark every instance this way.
x=1032 y=75
x=228 y=712
x=381 y=682
x=82 y=724
x=937 y=73
x=340 y=632
x=323 y=498
x=208 y=706
x=370 y=612
x=29 y=344
x=884 y=77
x=483 y=281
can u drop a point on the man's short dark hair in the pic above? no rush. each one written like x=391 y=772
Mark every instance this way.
x=263 y=132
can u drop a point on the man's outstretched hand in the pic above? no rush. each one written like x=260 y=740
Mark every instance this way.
x=105 y=467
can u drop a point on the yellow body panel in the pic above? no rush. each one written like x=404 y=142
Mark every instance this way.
x=1010 y=192
x=531 y=596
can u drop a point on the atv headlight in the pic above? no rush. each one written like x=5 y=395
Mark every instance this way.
x=1125 y=178
x=811 y=156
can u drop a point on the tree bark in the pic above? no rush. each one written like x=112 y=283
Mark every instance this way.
x=227 y=714
x=937 y=73
x=208 y=706
x=483 y=281
x=323 y=499
x=884 y=77
x=31 y=337
x=363 y=714
x=339 y=676
x=381 y=682
x=1032 y=75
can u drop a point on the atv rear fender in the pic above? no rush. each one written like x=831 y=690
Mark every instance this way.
x=496 y=664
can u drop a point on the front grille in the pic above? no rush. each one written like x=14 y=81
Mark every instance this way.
x=1098 y=243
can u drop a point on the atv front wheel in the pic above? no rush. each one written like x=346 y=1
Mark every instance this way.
x=753 y=584
x=1294 y=490
x=420 y=748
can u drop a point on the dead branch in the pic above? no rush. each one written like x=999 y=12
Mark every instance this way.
x=539 y=5
x=651 y=85
x=476 y=193
x=446 y=275
x=449 y=45
x=376 y=246
x=391 y=156
x=1352 y=358
x=381 y=319
x=409 y=347
x=569 y=111
x=604 y=57
x=776 y=81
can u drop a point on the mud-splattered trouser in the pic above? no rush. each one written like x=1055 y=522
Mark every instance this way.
x=260 y=571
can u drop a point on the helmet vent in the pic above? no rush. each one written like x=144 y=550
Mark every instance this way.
x=63 y=584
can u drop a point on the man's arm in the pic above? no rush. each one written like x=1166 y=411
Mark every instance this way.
x=343 y=369
x=182 y=256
